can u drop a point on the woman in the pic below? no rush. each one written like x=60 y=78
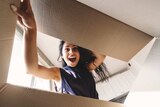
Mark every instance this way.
x=75 y=75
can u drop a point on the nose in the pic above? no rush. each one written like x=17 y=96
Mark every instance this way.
x=71 y=51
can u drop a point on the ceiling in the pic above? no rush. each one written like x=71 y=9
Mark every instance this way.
x=141 y=14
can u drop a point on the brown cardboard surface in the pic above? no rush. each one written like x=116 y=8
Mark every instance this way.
x=13 y=96
x=74 y=22
x=5 y=53
x=7 y=29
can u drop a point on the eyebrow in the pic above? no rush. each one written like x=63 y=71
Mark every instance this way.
x=72 y=45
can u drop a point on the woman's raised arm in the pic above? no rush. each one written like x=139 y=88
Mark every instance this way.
x=27 y=21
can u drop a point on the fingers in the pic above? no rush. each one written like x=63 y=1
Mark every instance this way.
x=24 y=13
x=25 y=5
x=20 y=21
x=16 y=10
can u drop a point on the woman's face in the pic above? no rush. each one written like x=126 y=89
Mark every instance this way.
x=70 y=54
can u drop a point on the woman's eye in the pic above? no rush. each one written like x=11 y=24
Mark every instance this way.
x=75 y=49
x=67 y=49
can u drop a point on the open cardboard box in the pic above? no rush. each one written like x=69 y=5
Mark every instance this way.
x=13 y=96
x=71 y=21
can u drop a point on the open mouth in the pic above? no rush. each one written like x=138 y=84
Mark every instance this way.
x=72 y=59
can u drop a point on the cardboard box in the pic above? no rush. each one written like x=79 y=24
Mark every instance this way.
x=71 y=21
x=77 y=23
x=13 y=96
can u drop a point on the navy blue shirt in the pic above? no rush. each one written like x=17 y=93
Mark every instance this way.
x=78 y=82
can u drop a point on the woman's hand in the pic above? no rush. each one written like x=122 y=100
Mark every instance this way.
x=25 y=14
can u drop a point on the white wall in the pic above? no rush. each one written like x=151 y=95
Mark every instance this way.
x=121 y=83
x=146 y=89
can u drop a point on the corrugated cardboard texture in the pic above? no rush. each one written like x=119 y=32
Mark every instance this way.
x=7 y=29
x=74 y=22
x=13 y=96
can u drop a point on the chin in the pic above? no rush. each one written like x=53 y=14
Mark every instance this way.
x=72 y=65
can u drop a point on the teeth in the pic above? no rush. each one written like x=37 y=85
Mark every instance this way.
x=72 y=57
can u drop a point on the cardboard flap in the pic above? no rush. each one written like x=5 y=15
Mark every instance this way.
x=77 y=23
x=13 y=96
x=7 y=29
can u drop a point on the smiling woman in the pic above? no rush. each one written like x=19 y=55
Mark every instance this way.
x=70 y=54
x=75 y=75
x=77 y=65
